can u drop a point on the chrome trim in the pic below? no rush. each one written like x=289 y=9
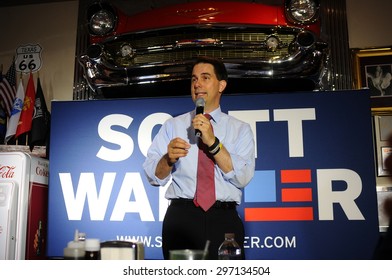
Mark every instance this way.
x=295 y=58
x=101 y=74
x=94 y=9
x=293 y=20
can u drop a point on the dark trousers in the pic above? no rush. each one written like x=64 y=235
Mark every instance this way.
x=186 y=226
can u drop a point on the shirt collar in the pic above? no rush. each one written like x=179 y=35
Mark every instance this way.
x=216 y=114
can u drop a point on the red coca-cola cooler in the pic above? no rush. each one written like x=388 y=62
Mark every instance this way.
x=23 y=206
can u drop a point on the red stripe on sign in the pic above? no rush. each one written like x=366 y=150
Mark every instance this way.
x=296 y=176
x=296 y=194
x=279 y=214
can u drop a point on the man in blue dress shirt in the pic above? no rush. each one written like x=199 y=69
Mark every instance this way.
x=173 y=157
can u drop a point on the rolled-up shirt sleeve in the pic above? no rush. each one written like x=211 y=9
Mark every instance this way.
x=242 y=154
x=156 y=151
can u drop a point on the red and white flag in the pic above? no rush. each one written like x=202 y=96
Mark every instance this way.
x=26 y=116
x=8 y=89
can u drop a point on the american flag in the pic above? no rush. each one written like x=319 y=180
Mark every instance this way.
x=8 y=89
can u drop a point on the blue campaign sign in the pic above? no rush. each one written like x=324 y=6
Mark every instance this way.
x=313 y=195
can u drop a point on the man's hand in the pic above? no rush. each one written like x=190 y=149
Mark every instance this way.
x=203 y=124
x=177 y=148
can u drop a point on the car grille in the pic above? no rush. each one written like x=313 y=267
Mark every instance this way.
x=153 y=47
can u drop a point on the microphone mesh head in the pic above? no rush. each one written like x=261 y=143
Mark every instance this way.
x=200 y=102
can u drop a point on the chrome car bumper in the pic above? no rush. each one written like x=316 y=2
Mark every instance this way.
x=166 y=56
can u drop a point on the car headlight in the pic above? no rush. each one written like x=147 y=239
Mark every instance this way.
x=302 y=11
x=102 y=22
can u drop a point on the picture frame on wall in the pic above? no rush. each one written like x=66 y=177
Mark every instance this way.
x=383 y=193
x=373 y=70
x=382 y=130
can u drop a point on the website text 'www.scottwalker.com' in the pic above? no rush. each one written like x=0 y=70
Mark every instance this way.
x=250 y=242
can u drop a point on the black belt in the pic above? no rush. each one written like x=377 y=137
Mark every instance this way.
x=217 y=204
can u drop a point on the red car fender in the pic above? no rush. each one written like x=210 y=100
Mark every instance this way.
x=204 y=13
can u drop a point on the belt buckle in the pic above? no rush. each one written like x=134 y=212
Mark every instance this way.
x=223 y=204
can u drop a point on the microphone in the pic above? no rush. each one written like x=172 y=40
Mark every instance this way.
x=200 y=102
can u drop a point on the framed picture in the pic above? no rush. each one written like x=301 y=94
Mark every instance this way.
x=382 y=130
x=383 y=193
x=373 y=70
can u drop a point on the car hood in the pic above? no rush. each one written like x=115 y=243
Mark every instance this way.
x=204 y=13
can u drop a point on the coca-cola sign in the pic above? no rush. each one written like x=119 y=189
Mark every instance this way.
x=7 y=171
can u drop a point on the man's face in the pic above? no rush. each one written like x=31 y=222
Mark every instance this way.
x=206 y=85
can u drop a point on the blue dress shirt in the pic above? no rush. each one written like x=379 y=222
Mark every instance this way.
x=235 y=135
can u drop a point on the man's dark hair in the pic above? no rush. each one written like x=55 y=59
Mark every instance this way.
x=219 y=66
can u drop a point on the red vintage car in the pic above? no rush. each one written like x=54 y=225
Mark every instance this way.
x=265 y=45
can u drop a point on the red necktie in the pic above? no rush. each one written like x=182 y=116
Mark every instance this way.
x=205 y=185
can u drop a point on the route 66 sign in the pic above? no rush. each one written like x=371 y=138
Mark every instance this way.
x=28 y=58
